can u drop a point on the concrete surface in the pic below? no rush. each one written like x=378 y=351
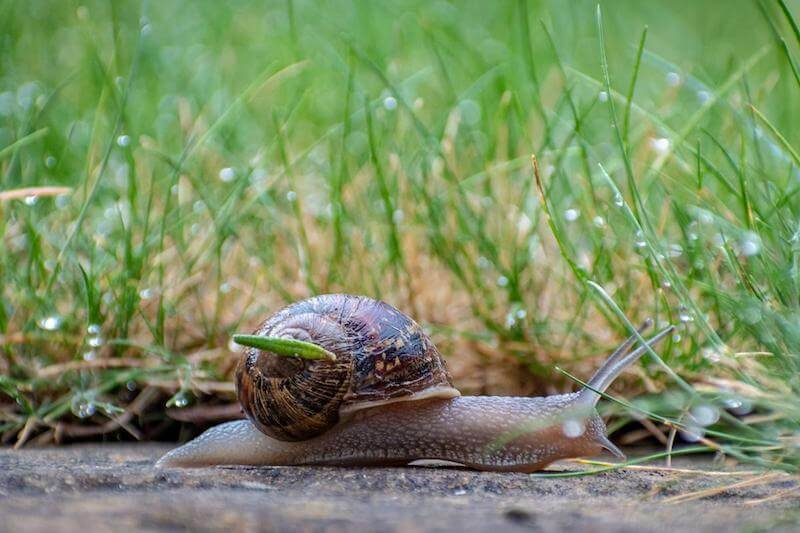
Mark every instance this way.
x=107 y=487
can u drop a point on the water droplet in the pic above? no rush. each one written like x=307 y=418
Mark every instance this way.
x=50 y=323
x=502 y=281
x=599 y=221
x=524 y=224
x=692 y=236
x=705 y=415
x=618 y=200
x=676 y=337
x=470 y=111
x=685 y=317
x=639 y=243
x=123 y=141
x=511 y=321
x=666 y=284
x=712 y=355
x=95 y=342
x=703 y=96
x=291 y=196
x=82 y=405
x=146 y=294
x=89 y=355
x=390 y=103
x=198 y=206
x=674 y=250
x=751 y=315
x=49 y=161
x=93 y=329
x=398 y=216
x=603 y=96
x=660 y=145
x=225 y=288
x=750 y=244
x=131 y=385
x=233 y=347
x=673 y=79
x=483 y=263
x=573 y=428
x=692 y=433
x=181 y=399
x=227 y=174
x=571 y=214
x=739 y=406
x=521 y=313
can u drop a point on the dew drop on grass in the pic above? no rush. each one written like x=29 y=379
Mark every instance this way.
x=502 y=281
x=123 y=141
x=49 y=161
x=93 y=329
x=639 y=243
x=225 y=288
x=572 y=214
x=51 y=323
x=470 y=111
x=618 y=200
x=483 y=263
x=673 y=79
x=95 y=342
x=573 y=428
x=599 y=221
x=131 y=386
x=31 y=200
x=712 y=355
x=685 y=317
x=82 y=406
x=660 y=145
x=750 y=244
x=705 y=414
x=676 y=337
x=291 y=196
x=603 y=96
x=692 y=433
x=89 y=355
x=227 y=174
x=738 y=406
x=146 y=294
x=674 y=250
x=703 y=96
x=398 y=216
x=181 y=400
x=390 y=103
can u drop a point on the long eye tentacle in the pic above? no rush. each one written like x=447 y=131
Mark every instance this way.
x=614 y=366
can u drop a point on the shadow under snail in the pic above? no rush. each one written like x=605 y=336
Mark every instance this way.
x=348 y=380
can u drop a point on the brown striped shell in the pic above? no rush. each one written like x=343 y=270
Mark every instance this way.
x=382 y=356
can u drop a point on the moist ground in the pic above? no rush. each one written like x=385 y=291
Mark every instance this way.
x=116 y=487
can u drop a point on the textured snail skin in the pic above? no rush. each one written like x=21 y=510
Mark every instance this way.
x=387 y=399
x=481 y=432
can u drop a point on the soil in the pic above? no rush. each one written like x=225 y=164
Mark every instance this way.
x=115 y=487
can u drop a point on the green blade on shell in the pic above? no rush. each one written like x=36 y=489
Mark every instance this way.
x=285 y=347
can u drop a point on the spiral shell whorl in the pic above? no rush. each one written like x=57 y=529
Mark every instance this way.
x=381 y=356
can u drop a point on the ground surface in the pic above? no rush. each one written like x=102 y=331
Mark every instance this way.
x=104 y=487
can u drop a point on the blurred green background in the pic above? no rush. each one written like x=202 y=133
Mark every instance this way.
x=174 y=172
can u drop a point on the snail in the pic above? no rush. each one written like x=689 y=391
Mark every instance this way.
x=348 y=380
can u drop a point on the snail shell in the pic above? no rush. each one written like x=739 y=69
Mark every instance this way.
x=382 y=356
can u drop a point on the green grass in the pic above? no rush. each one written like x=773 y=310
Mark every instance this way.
x=225 y=160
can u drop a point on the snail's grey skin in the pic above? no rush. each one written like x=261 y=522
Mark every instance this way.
x=481 y=432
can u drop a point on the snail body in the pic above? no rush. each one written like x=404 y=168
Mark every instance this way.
x=380 y=394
